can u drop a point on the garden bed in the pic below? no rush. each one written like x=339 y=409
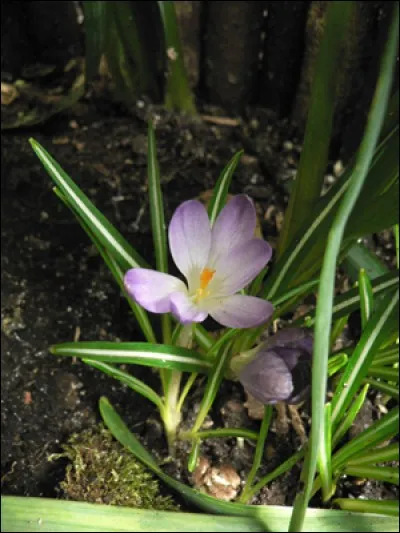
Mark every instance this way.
x=55 y=287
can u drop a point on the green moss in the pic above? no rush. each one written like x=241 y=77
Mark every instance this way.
x=102 y=471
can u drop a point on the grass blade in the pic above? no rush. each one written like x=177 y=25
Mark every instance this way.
x=105 y=232
x=389 y=390
x=177 y=94
x=359 y=256
x=221 y=188
x=324 y=460
x=140 y=314
x=326 y=288
x=378 y=455
x=379 y=507
x=158 y=220
x=314 y=157
x=348 y=419
x=386 y=474
x=95 y=35
x=366 y=297
x=377 y=328
x=134 y=383
x=139 y=353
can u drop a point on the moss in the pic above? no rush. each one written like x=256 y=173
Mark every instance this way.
x=100 y=470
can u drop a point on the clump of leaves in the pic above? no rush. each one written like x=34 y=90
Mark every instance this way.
x=100 y=470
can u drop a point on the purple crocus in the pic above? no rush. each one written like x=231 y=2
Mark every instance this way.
x=217 y=263
x=281 y=370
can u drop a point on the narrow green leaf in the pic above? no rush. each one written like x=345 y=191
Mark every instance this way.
x=386 y=388
x=327 y=283
x=336 y=362
x=366 y=297
x=385 y=315
x=222 y=433
x=377 y=507
x=387 y=356
x=177 y=94
x=140 y=314
x=259 y=453
x=194 y=455
x=314 y=156
x=139 y=353
x=158 y=220
x=107 y=235
x=380 y=431
x=347 y=420
x=378 y=455
x=396 y=238
x=359 y=256
x=221 y=188
x=215 y=378
x=95 y=22
x=337 y=328
x=324 y=458
x=387 y=474
x=349 y=301
x=391 y=374
x=134 y=383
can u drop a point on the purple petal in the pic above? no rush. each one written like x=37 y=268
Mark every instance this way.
x=241 y=266
x=152 y=289
x=240 y=311
x=184 y=309
x=298 y=338
x=189 y=236
x=234 y=226
x=267 y=378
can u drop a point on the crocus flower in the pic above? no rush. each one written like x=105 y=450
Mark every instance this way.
x=217 y=263
x=281 y=370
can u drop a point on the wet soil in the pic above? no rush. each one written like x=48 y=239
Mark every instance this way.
x=55 y=288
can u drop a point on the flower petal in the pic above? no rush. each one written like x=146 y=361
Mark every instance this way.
x=152 y=289
x=235 y=225
x=237 y=269
x=267 y=378
x=239 y=311
x=189 y=236
x=184 y=309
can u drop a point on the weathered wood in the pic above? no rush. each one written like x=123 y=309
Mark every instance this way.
x=232 y=47
x=189 y=21
x=283 y=54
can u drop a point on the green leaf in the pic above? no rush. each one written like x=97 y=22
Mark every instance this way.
x=380 y=431
x=267 y=518
x=139 y=353
x=177 y=94
x=158 y=220
x=95 y=23
x=134 y=383
x=391 y=374
x=302 y=260
x=366 y=297
x=377 y=507
x=336 y=362
x=377 y=328
x=387 y=474
x=378 y=455
x=359 y=256
x=138 y=311
x=258 y=454
x=349 y=301
x=105 y=232
x=389 y=390
x=215 y=378
x=194 y=455
x=324 y=459
x=221 y=188
x=314 y=156
x=327 y=280
x=347 y=420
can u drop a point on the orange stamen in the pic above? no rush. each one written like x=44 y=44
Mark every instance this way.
x=205 y=277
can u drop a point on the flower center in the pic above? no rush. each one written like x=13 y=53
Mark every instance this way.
x=206 y=276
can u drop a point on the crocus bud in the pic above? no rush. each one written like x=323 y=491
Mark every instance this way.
x=281 y=370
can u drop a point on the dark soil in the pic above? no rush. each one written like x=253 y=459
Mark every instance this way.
x=55 y=288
